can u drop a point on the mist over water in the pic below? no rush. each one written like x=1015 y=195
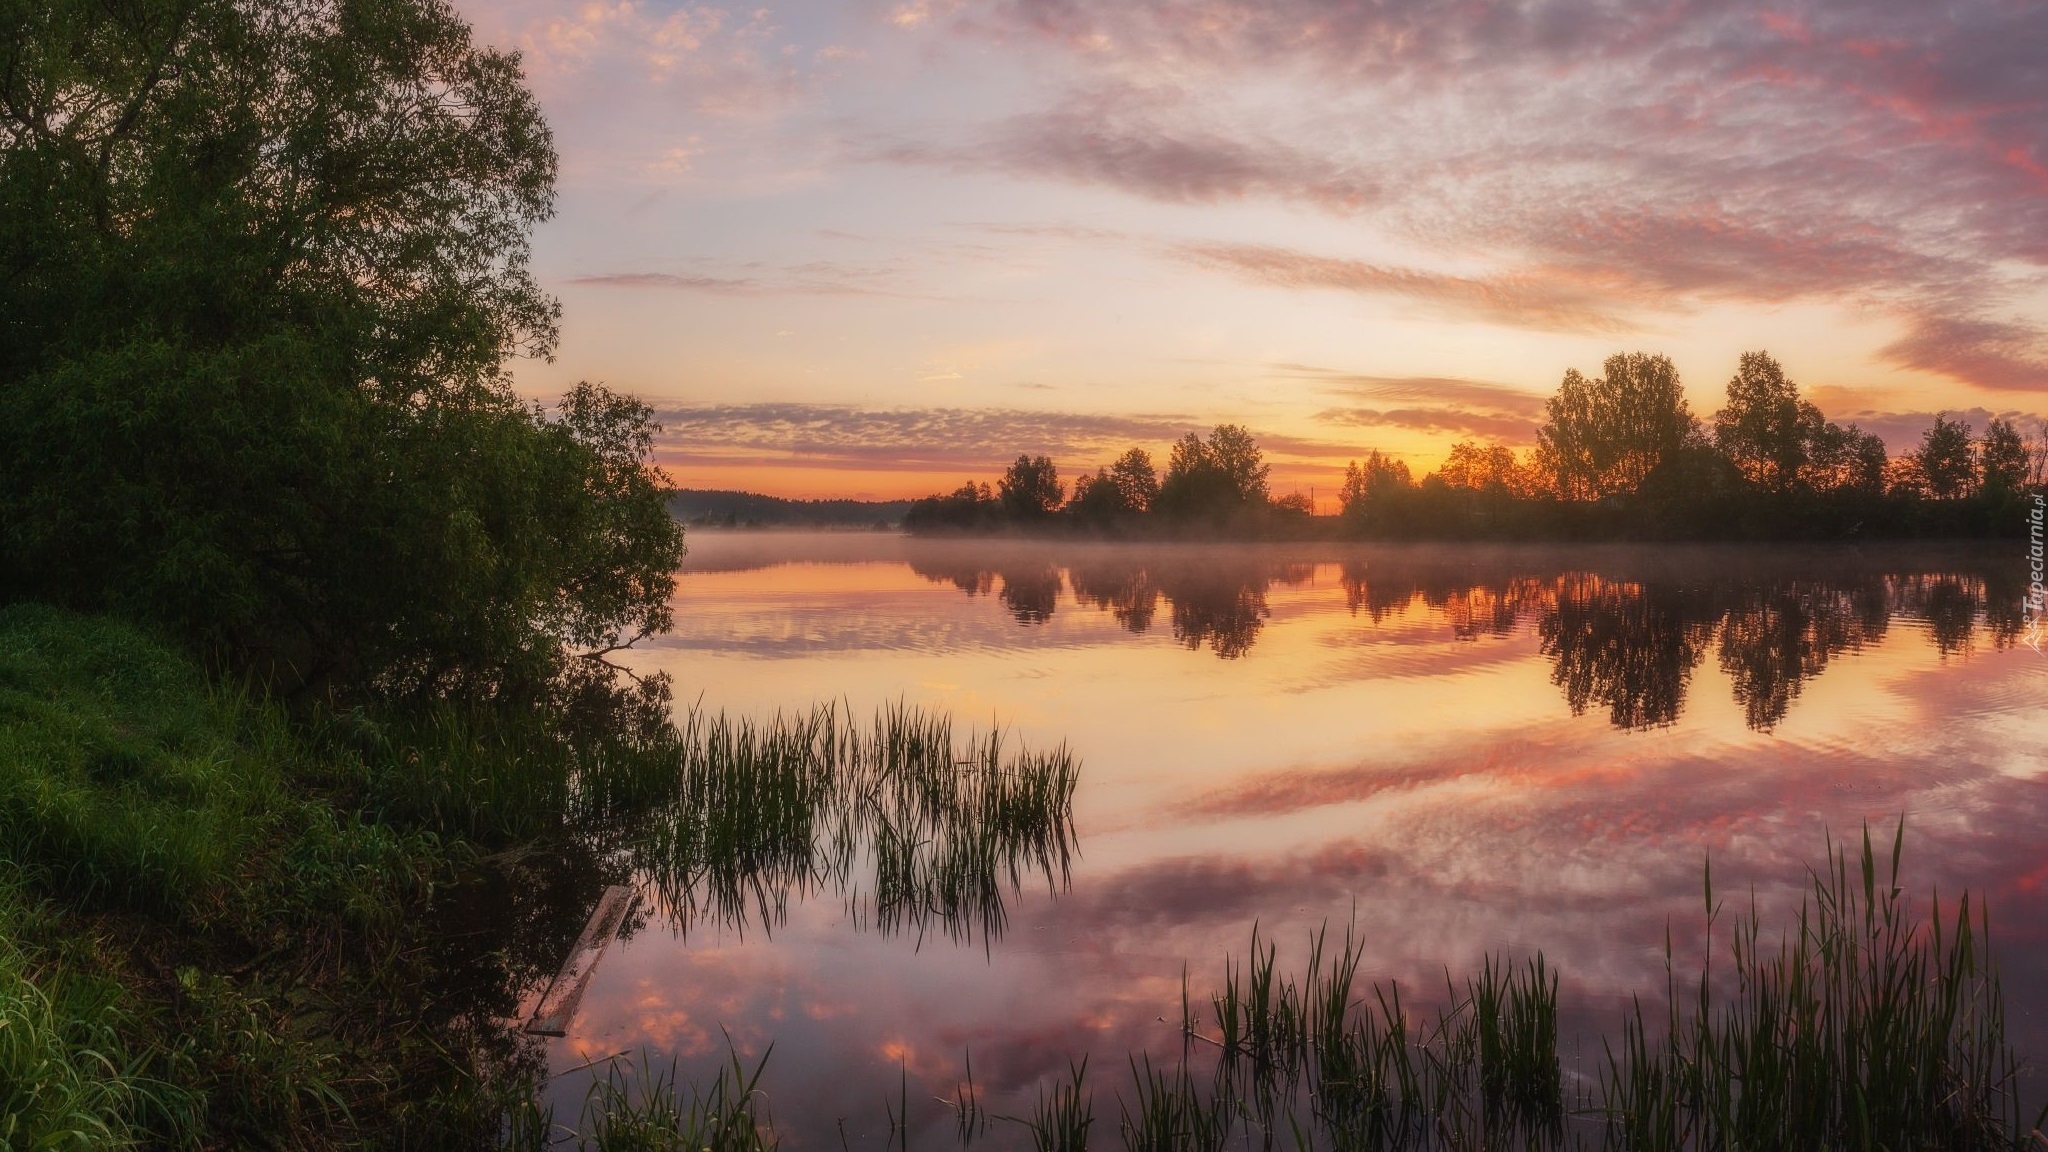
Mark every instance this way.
x=1462 y=750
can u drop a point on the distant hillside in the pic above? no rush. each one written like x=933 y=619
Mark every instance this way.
x=741 y=509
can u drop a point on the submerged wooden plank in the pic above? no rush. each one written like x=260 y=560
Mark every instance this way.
x=558 y=1005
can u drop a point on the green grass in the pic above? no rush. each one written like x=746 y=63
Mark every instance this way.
x=192 y=924
x=65 y=1078
x=1864 y=1026
x=643 y=1107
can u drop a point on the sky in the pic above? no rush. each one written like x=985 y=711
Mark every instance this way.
x=875 y=249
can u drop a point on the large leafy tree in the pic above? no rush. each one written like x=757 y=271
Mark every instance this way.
x=261 y=266
x=1605 y=435
x=1947 y=461
x=2002 y=456
x=1137 y=485
x=1780 y=442
x=1222 y=475
x=1765 y=428
x=1030 y=489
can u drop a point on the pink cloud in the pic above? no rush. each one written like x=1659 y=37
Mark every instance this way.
x=1605 y=162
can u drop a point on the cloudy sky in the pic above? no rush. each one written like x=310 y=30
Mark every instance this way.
x=875 y=248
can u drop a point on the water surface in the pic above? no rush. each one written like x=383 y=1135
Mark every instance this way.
x=1465 y=750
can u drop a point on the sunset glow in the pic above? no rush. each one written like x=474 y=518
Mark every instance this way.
x=876 y=248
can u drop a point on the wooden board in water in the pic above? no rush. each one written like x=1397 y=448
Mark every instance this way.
x=558 y=1005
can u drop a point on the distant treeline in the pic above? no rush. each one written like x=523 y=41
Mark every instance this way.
x=1618 y=456
x=718 y=507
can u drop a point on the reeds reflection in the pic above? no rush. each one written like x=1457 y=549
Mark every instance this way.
x=917 y=831
x=1621 y=643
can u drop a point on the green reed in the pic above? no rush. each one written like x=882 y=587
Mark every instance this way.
x=947 y=830
x=65 y=1080
x=1169 y=1113
x=1864 y=1027
x=1062 y=1118
x=645 y=1107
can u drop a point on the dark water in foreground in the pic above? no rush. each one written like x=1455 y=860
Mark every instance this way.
x=1465 y=750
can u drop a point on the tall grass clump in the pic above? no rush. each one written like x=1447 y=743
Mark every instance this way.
x=1168 y=1112
x=944 y=830
x=1862 y=1027
x=644 y=1107
x=66 y=1079
x=1062 y=1118
x=1351 y=1061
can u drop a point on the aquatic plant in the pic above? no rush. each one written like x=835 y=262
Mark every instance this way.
x=643 y=1107
x=947 y=830
x=1865 y=1027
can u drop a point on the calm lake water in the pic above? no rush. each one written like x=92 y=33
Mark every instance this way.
x=1464 y=750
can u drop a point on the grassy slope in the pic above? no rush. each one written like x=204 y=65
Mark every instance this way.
x=183 y=912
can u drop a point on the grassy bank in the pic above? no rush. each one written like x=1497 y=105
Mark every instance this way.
x=205 y=940
x=225 y=926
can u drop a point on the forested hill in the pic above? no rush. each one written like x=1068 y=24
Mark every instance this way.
x=718 y=506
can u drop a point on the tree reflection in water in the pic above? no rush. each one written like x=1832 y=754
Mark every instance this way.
x=1629 y=648
x=1626 y=643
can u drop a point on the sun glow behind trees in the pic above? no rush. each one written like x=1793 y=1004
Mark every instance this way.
x=1618 y=454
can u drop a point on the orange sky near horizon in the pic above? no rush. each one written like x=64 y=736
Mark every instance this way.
x=875 y=249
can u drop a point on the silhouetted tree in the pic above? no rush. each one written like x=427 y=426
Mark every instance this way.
x=1369 y=486
x=1097 y=499
x=1135 y=480
x=1489 y=468
x=1765 y=428
x=1220 y=477
x=1604 y=436
x=1030 y=489
x=1294 y=506
x=1902 y=476
x=1947 y=461
x=969 y=507
x=2002 y=457
x=1844 y=458
x=2037 y=457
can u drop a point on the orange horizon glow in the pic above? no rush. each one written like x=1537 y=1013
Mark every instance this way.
x=874 y=251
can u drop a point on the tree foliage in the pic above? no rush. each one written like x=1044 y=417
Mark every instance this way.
x=264 y=266
x=1946 y=461
x=1619 y=456
x=1137 y=485
x=1218 y=477
x=1031 y=488
x=1365 y=486
x=1485 y=468
x=1781 y=442
x=1765 y=428
x=1604 y=436
x=2002 y=456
